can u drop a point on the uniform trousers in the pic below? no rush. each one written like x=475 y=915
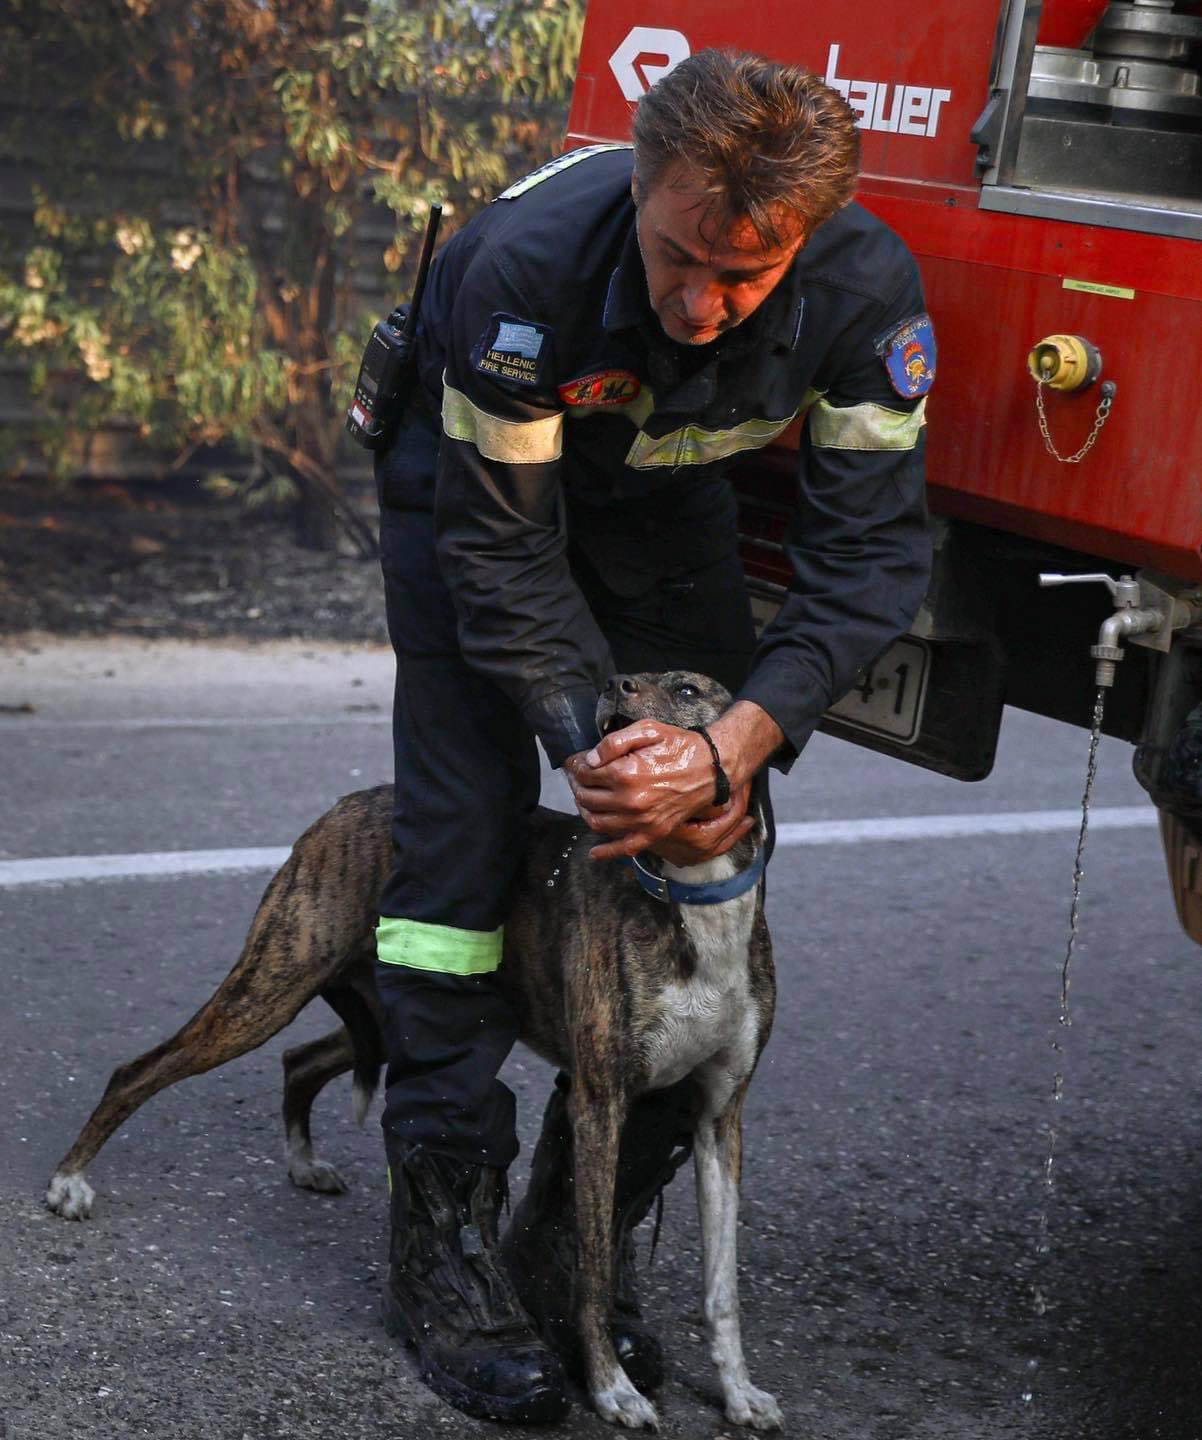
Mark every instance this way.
x=467 y=780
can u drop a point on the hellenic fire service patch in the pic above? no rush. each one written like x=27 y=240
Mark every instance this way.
x=607 y=387
x=908 y=351
x=515 y=350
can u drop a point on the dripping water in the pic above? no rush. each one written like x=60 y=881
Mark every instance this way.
x=1039 y=1296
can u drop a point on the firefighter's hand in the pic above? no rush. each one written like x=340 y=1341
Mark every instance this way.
x=651 y=786
x=712 y=833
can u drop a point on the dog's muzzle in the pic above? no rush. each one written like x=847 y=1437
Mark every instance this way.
x=617 y=721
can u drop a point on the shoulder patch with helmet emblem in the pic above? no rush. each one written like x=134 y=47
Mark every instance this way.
x=908 y=352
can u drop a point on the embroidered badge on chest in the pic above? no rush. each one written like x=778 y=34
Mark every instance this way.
x=606 y=387
x=515 y=350
x=908 y=352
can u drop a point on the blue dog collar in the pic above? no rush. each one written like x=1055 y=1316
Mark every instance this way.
x=713 y=892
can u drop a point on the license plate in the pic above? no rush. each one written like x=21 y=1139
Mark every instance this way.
x=888 y=696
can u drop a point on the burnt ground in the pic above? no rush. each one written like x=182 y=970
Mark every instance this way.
x=170 y=559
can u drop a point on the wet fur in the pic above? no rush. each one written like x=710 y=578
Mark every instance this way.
x=613 y=986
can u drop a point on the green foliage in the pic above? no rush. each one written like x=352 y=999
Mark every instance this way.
x=215 y=178
x=163 y=334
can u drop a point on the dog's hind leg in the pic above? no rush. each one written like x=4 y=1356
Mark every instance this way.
x=298 y=943
x=307 y=1070
x=221 y=1030
x=248 y=1008
x=718 y=1158
x=313 y=922
x=356 y=1003
x=358 y=1044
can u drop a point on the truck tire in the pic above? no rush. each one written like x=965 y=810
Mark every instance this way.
x=1183 y=854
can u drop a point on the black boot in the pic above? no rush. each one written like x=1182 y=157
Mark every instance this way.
x=449 y=1297
x=539 y=1247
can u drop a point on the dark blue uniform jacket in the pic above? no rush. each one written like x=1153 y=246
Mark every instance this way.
x=566 y=410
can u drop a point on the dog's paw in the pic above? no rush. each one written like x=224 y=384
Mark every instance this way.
x=745 y=1405
x=621 y=1404
x=316 y=1175
x=70 y=1196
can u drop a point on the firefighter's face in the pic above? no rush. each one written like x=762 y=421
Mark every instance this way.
x=704 y=276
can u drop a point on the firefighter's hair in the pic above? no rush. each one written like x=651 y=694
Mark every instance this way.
x=770 y=142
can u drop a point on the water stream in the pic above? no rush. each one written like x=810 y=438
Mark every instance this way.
x=1039 y=1295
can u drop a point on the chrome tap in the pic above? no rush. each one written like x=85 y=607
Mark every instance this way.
x=1129 y=619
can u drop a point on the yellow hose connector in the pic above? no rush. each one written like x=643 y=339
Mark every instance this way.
x=1065 y=362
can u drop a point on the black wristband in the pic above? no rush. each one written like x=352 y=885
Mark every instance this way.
x=721 y=778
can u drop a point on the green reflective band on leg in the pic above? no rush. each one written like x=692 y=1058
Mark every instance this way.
x=438 y=947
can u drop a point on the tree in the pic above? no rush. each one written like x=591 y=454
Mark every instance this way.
x=199 y=255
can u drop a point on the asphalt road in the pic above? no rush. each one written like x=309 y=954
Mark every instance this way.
x=896 y=1131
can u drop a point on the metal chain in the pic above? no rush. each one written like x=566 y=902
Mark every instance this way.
x=1101 y=415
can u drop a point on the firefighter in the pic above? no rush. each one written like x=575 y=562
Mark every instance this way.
x=595 y=348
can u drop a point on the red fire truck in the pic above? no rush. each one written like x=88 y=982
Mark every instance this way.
x=1044 y=164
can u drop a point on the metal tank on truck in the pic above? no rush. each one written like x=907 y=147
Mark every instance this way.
x=1044 y=164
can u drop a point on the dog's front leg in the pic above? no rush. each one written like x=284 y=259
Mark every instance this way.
x=597 y=1124
x=718 y=1155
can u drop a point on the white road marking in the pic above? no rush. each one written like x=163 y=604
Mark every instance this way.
x=952 y=827
x=58 y=869
x=377 y=715
x=55 y=869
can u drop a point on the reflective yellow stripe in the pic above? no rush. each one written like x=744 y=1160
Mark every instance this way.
x=695 y=446
x=866 y=427
x=444 y=948
x=513 y=442
x=554 y=167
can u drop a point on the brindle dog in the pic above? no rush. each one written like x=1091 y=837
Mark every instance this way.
x=625 y=991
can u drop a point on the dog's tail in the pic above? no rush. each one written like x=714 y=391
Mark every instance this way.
x=367 y=1042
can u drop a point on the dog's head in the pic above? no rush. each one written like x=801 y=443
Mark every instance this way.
x=677 y=697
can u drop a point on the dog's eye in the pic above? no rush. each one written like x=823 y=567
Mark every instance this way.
x=688 y=692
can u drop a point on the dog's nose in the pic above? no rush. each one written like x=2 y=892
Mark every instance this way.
x=629 y=686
